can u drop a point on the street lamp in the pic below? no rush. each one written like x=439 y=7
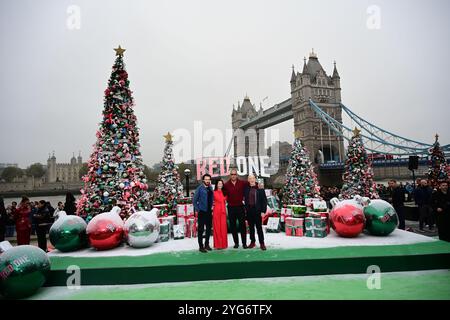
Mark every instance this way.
x=187 y=173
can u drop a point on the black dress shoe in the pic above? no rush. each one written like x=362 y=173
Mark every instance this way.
x=208 y=248
x=236 y=246
x=202 y=250
x=245 y=246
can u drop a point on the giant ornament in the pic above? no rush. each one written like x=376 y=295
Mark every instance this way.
x=142 y=228
x=347 y=218
x=23 y=270
x=68 y=233
x=381 y=218
x=105 y=230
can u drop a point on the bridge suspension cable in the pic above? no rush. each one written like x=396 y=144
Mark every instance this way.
x=381 y=141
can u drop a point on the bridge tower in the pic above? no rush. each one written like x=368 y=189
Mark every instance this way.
x=314 y=83
x=248 y=142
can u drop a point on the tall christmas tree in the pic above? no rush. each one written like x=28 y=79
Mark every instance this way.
x=115 y=170
x=358 y=173
x=438 y=170
x=301 y=180
x=169 y=188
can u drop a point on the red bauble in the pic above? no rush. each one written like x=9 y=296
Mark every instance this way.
x=347 y=219
x=105 y=231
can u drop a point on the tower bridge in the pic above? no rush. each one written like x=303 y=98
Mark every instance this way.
x=316 y=107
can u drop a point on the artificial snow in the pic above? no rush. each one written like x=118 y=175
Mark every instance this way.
x=272 y=241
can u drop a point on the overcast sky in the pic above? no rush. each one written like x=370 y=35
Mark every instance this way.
x=192 y=60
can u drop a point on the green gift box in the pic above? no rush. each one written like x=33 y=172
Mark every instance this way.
x=320 y=233
x=163 y=237
x=320 y=222
x=298 y=211
x=164 y=228
x=316 y=232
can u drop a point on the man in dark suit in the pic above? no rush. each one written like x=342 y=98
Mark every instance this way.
x=255 y=204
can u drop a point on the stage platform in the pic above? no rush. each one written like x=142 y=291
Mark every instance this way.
x=180 y=261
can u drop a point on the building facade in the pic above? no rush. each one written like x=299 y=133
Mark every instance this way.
x=64 y=172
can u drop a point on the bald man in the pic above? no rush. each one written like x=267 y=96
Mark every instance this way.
x=234 y=190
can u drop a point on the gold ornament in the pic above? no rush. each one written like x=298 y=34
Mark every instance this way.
x=356 y=132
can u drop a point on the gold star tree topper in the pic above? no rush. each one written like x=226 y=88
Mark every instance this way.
x=168 y=137
x=119 y=51
x=356 y=132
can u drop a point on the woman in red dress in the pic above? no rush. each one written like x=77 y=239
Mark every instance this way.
x=220 y=234
x=23 y=225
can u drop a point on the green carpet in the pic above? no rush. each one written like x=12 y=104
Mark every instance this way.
x=233 y=256
x=241 y=264
x=401 y=285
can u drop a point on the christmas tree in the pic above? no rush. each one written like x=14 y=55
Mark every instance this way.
x=358 y=173
x=438 y=169
x=169 y=188
x=301 y=180
x=115 y=170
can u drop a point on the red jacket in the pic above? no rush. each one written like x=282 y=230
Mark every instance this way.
x=235 y=192
x=22 y=217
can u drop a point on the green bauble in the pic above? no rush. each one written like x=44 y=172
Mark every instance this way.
x=23 y=271
x=381 y=218
x=68 y=233
x=105 y=167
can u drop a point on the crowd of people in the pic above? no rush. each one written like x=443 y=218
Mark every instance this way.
x=31 y=218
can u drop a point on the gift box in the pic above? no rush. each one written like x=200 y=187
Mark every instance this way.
x=164 y=232
x=294 y=227
x=315 y=222
x=324 y=216
x=294 y=231
x=298 y=211
x=191 y=228
x=169 y=220
x=186 y=209
x=316 y=233
x=319 y=206
x=273 y=225
x=284 y=213
x=290 y=221
x=178 y=231
x=309 y=201
x=184 y=212
x=272 y=203
x=316 y=226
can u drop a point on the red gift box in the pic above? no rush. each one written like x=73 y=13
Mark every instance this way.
x=294 y=231
x=191 y=228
